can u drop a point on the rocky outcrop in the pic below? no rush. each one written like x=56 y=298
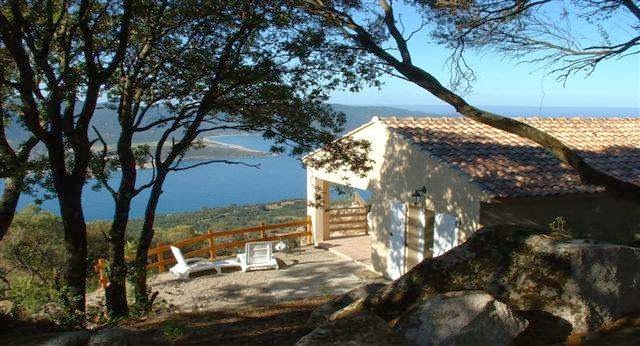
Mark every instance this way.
x=460 y=318
x=119 y=336
x=363 y=328
x=74 y=338
x=582 y=284
x=324 y=311
x=585 y=283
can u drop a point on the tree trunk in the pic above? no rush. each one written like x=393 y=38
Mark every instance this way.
x=139 y=274
x=75 y=242
x=116 y=293
x=8 y=204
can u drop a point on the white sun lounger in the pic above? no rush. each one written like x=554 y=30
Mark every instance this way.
x=257 y=255
x=196 y=264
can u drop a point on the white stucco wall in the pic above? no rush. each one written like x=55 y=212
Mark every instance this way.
x=400 y=168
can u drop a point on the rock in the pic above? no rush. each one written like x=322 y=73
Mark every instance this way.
x=118 y=336
x=363 y=328
x=583 y=283
x=74 y=338
x=324 y=311
x=460 y=318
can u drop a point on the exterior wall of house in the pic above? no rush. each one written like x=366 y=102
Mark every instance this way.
x=399 y=169
x=404 y=168
x=596 y=217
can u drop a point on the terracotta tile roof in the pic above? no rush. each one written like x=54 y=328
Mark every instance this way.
x=506 y=165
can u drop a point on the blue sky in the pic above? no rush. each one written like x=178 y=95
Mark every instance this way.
x=614 y=83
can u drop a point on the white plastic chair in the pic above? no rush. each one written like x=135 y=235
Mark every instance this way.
x=257 y=255
x=190 y=265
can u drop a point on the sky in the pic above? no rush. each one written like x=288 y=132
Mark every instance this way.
x=614 y=83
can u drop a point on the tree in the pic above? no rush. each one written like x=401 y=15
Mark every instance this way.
x=196 y=67
x=14 y=158
x=270 y=72
x=543 y=32
x=381 y=25
x=65 y=52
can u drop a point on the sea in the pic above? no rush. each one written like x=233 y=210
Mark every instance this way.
x=278 y=177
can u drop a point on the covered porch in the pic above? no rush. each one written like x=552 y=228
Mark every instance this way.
x=342 y=229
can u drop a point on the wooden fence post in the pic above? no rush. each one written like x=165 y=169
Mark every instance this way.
x=102 y=278
x=160 y=258
x=309 y=235
x=367 y=210
x=212 y=250
x=263 y=234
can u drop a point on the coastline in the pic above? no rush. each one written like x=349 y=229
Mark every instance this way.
x=211 y=141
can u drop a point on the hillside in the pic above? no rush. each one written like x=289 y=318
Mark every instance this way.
x=106 y=122
x=358 y=115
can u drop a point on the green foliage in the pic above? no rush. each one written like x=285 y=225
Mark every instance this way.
x=32 y=255
x=559 y=228
x=174 y=234
x=44 y=300
x=130 y=249
x=173 y=330
x=222 y=218
x=33 y=246
x=96 y=241
x=97 y=314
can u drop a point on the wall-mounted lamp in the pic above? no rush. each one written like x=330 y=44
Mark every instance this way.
x=416 y=195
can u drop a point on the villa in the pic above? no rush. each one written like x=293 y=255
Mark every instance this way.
x=436 y=180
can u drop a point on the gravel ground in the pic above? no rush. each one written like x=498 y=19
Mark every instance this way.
x=309 y=273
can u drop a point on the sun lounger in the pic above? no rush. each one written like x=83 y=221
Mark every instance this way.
x=190 y=265
x=257 y=255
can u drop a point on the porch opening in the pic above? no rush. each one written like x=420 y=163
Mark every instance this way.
x=348 y=228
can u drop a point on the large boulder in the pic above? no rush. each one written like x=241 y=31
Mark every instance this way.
x=324 y=311
x=585 y=283
x=582 y=284
x=461 y=318
x=363 y=328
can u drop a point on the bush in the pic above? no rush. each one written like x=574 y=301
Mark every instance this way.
x=36 y=299
x=33 y=247
x=32 y=257
x=174 y=234
x=97 y=246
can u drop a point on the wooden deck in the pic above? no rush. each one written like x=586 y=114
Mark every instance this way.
x=354 y=247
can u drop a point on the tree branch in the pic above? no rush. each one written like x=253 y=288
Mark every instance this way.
x=228 y=162
x=588 y=173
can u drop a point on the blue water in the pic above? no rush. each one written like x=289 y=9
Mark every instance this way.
x=277 y=178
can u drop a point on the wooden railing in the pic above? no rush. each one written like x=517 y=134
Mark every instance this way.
x=160 y=256
x=349 y=219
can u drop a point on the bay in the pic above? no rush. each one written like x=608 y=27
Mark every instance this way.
x=277 y=178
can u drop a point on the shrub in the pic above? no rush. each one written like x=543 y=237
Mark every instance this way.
x=37 y=299
x=173 y=330
x=34 y=246
x=174 y=234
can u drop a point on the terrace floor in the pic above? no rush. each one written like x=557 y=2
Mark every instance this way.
x=354 y=247
x=309 y=272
